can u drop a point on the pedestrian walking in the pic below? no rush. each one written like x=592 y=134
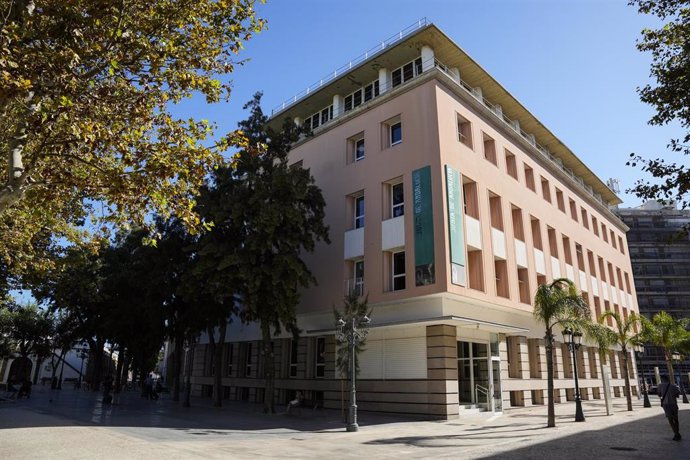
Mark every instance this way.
x=107 y=390
x=148 y=387
x=668 y=393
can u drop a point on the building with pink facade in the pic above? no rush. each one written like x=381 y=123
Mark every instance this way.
x=448 y=204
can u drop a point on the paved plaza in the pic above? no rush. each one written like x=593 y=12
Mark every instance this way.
x=71 y=424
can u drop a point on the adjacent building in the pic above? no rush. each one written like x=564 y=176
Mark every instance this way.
x=448 y=204
x=660 y=255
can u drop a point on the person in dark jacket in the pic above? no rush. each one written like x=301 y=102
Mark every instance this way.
x=668 y=393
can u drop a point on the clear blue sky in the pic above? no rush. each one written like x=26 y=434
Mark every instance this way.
x=572 y=63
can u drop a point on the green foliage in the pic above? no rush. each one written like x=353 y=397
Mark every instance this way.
x=603 y=336
x=26 y=330
x=266 y=215
x=625 y=330
x=558 y=304
x=355 y=308
x=669 y=95
x=86 y=132
x=668 y=333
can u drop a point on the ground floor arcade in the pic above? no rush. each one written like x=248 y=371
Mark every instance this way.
x=427 y=369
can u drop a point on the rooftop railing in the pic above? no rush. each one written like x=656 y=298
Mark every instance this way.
x=353 y=63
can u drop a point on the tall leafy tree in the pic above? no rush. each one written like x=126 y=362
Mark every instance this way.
x=30 y=331
x=86 y=89
x=667 y=333
x=669 y=95
x=266 y=215
x=75 y=285
x=282 y=213
x=557 y=303
x=627 y=335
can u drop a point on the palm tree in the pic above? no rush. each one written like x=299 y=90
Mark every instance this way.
x=605 y=338
x=667 y=333
x=626 y=335
x=555 y=304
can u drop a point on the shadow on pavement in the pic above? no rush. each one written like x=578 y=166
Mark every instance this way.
x=48 y=408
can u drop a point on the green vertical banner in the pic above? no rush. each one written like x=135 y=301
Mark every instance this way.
x=423 y=226
x=456 y=234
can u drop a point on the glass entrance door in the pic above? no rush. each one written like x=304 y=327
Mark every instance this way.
x=473 y=371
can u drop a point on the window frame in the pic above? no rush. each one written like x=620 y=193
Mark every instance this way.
x=400 y=205
x=358 y=219
x=395 y=276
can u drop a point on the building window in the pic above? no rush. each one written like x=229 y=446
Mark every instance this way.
x=595 y=226
x=406 y=72
x=228 y=359
x=248 y=360
x=294 y=349
x=359 y=211
x=511 y=165
x=546 y=189
x=391 y=132
x=398 y=270
x=489 y=149
x=464 y=131
x=358 y=275
x=395 y=133
x=361 y=95
x=585 y=220
x=470 y=198
x=359 y=149
x=397 y=200
x=573 y=210
x=529 y=178
x=320 y=365
x=559 y=200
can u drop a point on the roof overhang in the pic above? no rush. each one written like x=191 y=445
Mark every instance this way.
x=450 y=54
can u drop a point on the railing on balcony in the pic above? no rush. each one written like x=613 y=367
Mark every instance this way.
x=354 y=286
x=409 y=30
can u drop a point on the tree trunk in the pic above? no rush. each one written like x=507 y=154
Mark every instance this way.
x=176 y=365
x=188 y=379
x=607 y=395
x=118 y=371
x=628 y=393
x=95 y=365
x=269 y=368
x=124 y=377
x=218 y=364
x=39 y=363
x=551 y=421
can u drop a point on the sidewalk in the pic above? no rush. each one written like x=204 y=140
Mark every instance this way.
x=76 y=425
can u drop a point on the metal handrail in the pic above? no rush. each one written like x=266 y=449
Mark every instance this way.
x=483 y=390
x=423 y=22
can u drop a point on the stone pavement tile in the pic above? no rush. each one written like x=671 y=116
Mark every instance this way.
x=76 y=425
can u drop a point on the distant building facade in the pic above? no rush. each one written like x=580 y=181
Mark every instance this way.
x=661 y=266
x=448 y=204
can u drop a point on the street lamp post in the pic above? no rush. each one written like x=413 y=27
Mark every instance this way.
x=639 y=350
x=676 y=357
x=353 y=332
x=574 y=339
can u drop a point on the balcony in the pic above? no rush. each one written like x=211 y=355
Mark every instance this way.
x=354 y=286
x=393 y=233
x=539 y=262
x=474 y=233
x=520 y=254
x=555 y=268
x=354 y=244
x=498 y=243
